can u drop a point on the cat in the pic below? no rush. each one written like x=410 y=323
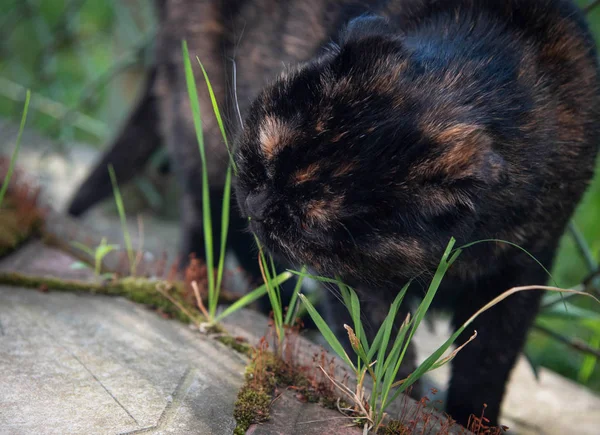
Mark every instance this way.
x=421 y=121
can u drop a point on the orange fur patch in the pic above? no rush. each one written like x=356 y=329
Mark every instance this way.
x=274 y=135
x=338 y=136
x=322 y=211
x=344 y=169
x=410 y=250
x=464 y=145
x=306 y=174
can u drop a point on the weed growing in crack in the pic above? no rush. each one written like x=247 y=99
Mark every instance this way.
x=381 y=359
x=13 y=159
x=98 y=254
x=215 y=280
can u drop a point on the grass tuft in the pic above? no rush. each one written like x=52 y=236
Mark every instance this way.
x=13 y=159
x=123 y=218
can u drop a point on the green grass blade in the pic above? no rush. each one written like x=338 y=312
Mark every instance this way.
x=386 y=329
x=355 y=312
x=423 y=368
x=573 y=313
x=103 y=250
x=434 y=357
x=386 y=372
x=83 y=248
x=276 y=286
x=394 y=358
x=274 y=299
x=218 y=116
x=317 y=278
x=13 y=159
x=468 y=245
x=123 y=219
x=289 y=316
x=583 y=247
x=589 y=362
x=206 y=214
x=443 y=266
x=227 y=188
x=224 y=230
x=251 y=297
x=327 y=332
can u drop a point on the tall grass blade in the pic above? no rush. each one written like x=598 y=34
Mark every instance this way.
x=218 y=116
x=443 y=266
x=589 y=362
x=530 y=255
x=395 y=357
x=123 y=219
x=326 y=332
x=89 y=251
x=435 y=356
x=206 y=214
x=13 y=159
x=251 y=297
x=386 y=331
x=275 y=286
x=289 y=316
x=272 y=291
x=224 y=230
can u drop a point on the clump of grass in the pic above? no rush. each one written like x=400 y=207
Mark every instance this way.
x=281 y=322
x=381 y=359
x=13 y=159
x=270 y=372
x=20 y=214
x=98 y=254
x=123 y=218
x=215 y=280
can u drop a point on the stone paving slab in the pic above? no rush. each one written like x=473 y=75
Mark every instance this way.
x=292 y=417
x=81 y=364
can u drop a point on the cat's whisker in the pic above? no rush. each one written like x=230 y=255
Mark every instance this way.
x=235 y=95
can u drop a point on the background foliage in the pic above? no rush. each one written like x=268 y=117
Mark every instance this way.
x=83 y=61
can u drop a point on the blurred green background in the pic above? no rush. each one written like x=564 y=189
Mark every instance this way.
x=84 y=61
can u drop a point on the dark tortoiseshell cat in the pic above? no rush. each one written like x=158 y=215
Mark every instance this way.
x=476 y=119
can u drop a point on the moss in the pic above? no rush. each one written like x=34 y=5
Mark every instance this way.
x=15 y=229
x=266 y=373
x=251 y=406
x=235 y=344
x=138 y=290
x=393 y=427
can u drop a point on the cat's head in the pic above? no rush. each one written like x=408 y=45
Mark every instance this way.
x=349 y=165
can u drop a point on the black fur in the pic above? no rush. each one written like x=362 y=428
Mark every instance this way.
x=475 y=119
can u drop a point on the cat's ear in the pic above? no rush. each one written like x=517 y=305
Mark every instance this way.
x=365 y=26
x=466 y=152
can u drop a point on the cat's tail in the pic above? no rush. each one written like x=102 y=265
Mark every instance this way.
x=128 y=154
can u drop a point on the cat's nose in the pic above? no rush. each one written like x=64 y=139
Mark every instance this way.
x=257 y=205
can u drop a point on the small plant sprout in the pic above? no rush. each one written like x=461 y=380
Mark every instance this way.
x=280 y=322
x=381 y=359
x=121 y=208
x=13 y=159
x=215 y=281
x=98 y=254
